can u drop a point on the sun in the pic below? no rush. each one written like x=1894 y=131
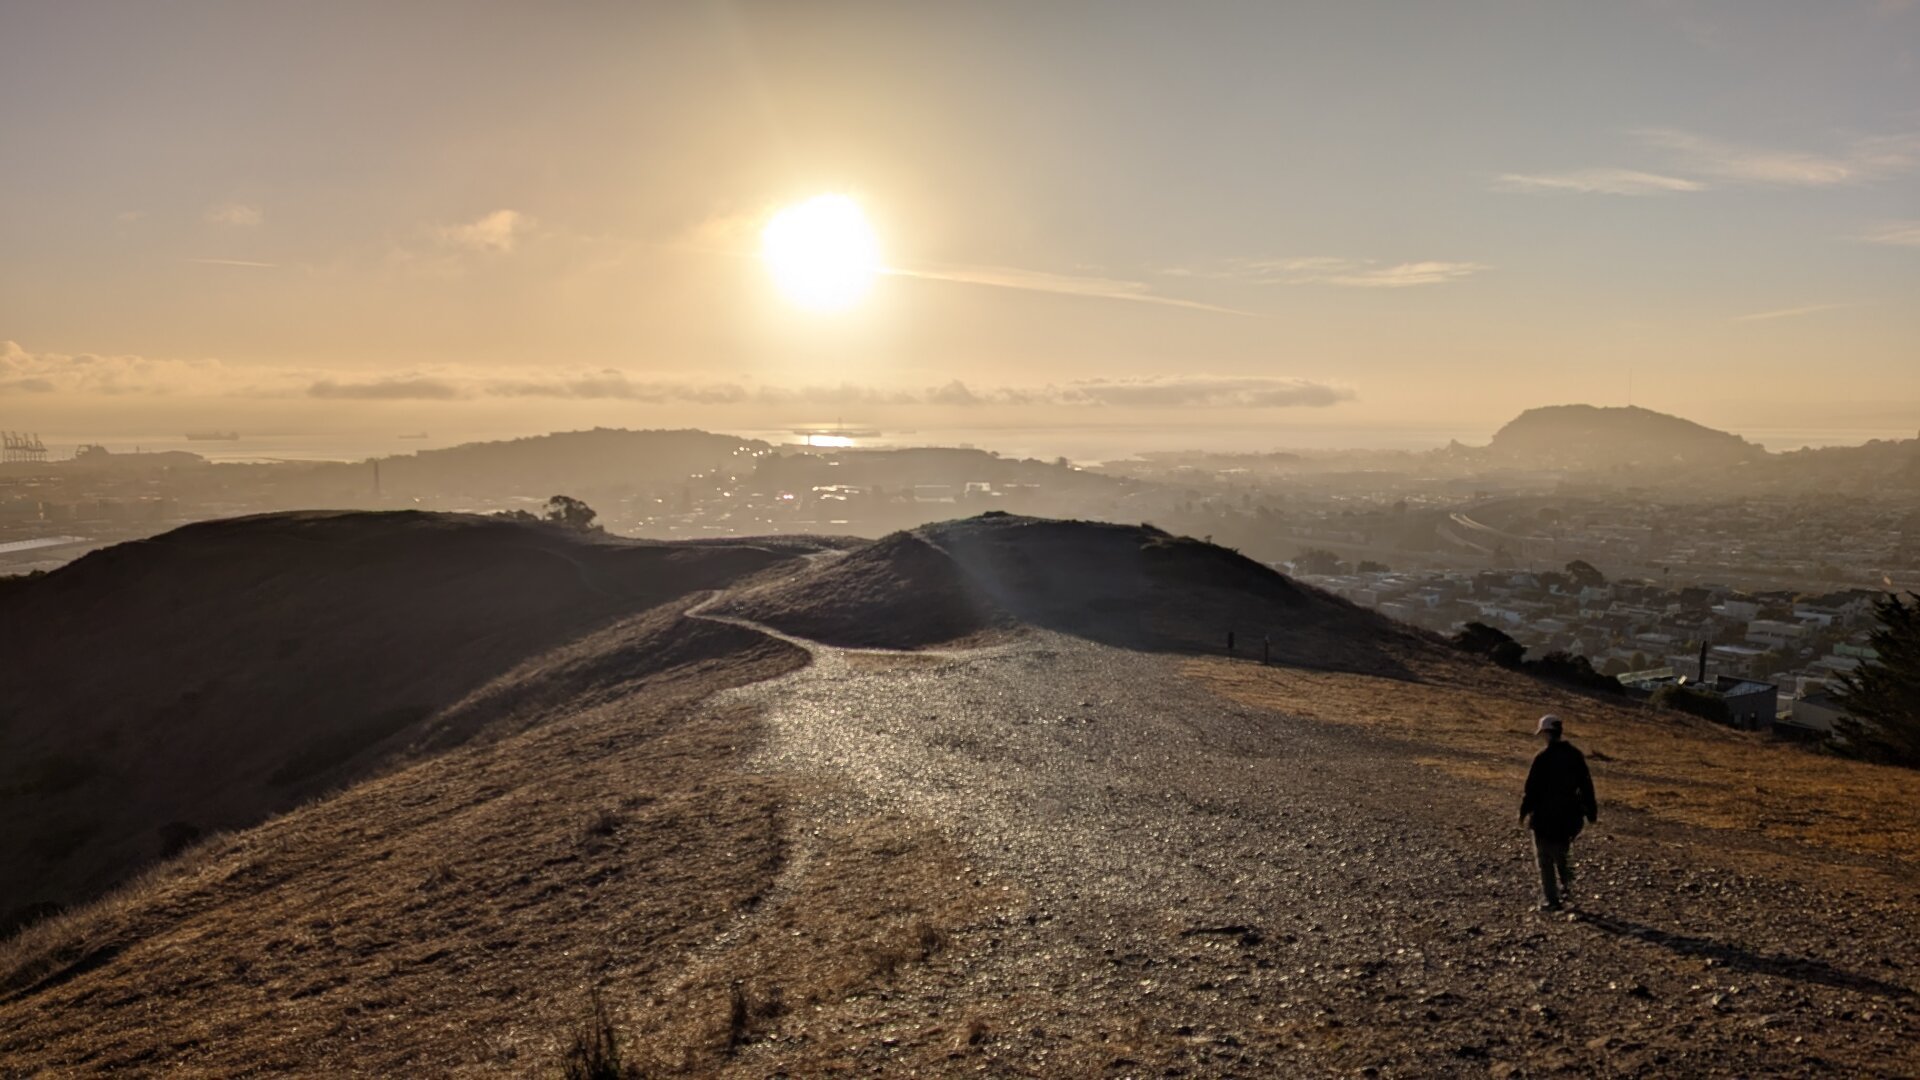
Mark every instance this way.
x=823 y=253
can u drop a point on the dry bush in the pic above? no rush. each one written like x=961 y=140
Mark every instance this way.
x=594 y=1053
x=600 y=824
x=916 y=943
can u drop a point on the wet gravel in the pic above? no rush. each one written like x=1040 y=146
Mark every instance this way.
x=1209 y=889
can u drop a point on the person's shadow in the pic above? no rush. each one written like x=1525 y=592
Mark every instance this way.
x=1733 y=956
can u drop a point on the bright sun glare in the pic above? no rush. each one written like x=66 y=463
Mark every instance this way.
x=823 y=253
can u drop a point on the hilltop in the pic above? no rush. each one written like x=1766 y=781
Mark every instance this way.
x=1125 y=585
x=1599 y=437
x=985 y=797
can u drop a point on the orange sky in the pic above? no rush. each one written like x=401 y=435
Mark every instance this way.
x=1323 y=216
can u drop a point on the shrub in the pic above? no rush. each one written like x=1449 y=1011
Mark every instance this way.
x=1574 y=670
x=1483 y=640
x=594 y=1053
x=1693 y=702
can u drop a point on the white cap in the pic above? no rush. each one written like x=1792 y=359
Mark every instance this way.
x=1548 y=723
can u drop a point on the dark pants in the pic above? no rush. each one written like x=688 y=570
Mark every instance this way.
x=1555 y=861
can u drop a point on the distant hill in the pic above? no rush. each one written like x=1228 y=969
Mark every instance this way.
x=1589 y=436
x=1876 y=467
x=572 y=459
x=207 y=677
x=538 y=466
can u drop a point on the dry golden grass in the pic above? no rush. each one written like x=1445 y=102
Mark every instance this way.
x=1670 y=766
x=872 y=899
x=453 y=918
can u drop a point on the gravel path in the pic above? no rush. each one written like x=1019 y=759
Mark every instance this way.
x=1193 y=887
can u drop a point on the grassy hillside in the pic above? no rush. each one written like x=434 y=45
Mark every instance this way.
x=1072 y=840
x=1125 y=585
x=159 y=690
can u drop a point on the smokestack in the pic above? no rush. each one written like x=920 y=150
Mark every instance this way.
x=1703 y=663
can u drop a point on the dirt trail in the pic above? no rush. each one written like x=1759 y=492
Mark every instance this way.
x=1190 y=886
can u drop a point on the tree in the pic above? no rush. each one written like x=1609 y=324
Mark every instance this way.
x=1688 y=700
x=1482 y=640
x=1318 y=561
x=1882 y=696
x=1368 y=566
x=569 y=512
x=1572 y=669
x=1585 y=574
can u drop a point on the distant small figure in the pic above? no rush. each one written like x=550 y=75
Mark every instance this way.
x=1229 y=641
x=1559 y=796
x=1266 y=648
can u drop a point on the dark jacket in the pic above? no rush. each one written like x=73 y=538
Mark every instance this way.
x=1559 y=792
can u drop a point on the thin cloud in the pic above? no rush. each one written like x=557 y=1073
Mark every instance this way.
x=1754 y=165
x=1699 y=162
x=243 y=215
x=497 y=232
x=23 y=372
x=385 y=390
x=610 y=384
x=1896 y=234
x=1183 y=391
x=1328 y=270
x=1404 y=275
x=1097 y=288
x=120 y=375
x=1204 y=391
x=1598 y=182
x=1789 y=313
x=235 y=262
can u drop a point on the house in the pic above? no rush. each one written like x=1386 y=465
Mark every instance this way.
x=1817 y=615
x=1775 y=634
x=1741 y=659
x=1814 y=714
x=1750 y=704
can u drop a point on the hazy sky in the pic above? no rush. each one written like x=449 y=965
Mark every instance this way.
x=521 y=216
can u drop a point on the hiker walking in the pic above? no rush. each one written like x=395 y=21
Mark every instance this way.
x=1560 y=799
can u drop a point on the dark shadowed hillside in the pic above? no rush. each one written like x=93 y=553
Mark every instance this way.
x=204 y=678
